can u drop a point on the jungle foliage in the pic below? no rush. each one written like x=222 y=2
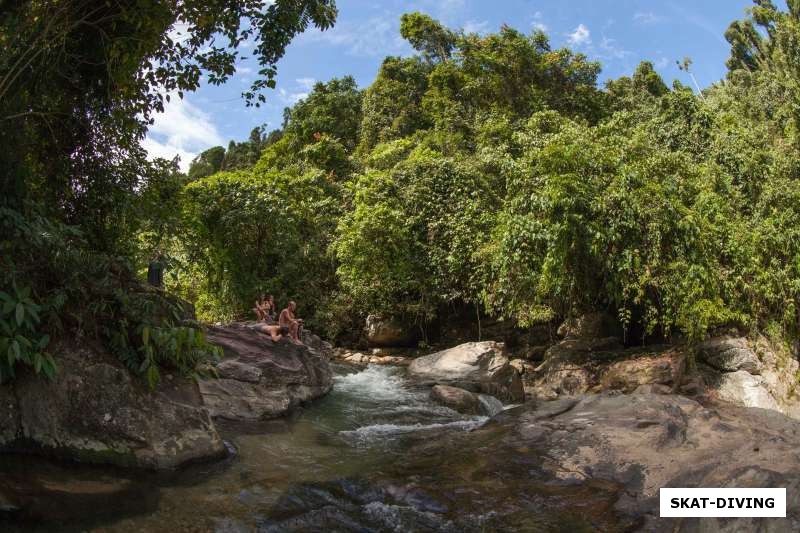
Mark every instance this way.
x=488 y=171
x=81 y=207
x=491 y=171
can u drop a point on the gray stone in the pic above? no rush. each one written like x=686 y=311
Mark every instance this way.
x=456 y=399
x=573 y=367
x=745 y=389
x=476 y=364
x=260 y=378
x=729 y=355
x=648 y=441
x=95 y=411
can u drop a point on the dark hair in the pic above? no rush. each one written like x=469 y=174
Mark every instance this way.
x=284 y=330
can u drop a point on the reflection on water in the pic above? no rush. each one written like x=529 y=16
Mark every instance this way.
x=310 y=469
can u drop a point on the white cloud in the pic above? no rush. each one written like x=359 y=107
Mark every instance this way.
x=182 y=129
x=291 y=97
x=538 y=23
x=662 y=62
x=306 y=83
x=648 y=17
x=242 y=69
x=377 y=36
x=580 y=36
x=608 y=49
x=474 y=26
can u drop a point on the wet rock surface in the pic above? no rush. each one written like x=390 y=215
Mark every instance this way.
x=94 y=410
x=594 y=462
x=260 y=378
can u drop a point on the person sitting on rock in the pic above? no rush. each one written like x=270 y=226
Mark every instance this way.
x=275 y=332
x=269 y=309
x=288 y=319
x=259 y=308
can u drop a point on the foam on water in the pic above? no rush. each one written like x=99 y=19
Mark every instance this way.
x=375 y=383
x=382 y=431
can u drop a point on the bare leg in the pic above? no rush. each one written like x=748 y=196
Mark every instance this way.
x=293 y=332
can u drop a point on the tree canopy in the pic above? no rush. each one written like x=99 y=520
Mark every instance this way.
x=485 y=171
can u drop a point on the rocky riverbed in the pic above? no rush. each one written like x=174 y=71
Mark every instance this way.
x=464 y=439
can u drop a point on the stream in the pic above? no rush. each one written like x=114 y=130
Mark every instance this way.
x=373 y=455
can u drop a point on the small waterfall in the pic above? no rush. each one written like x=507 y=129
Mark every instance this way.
x=491 y=405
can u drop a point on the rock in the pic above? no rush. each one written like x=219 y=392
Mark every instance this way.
x=745 y=389
x=665 y=368
x=389 y=360
x=572 y=367
x=94 y=410
x=750 y=372
x=456 y=399
x=647 y=441
x=536 y=353
x=388 y=332
x=519 y=365
x=729 y=355
x=261 y=379
x=324 y=348
x=652 y=388
x=474 y=364
x=589 y=463
x=239 y=371
x=590 y=326
x=388 y=351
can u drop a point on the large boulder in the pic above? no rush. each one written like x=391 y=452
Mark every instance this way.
x=745 y=389
x=728 y=354
x=750 y=373
x=388 y=332
x=260 y=378
x=481 y=366
x=94 y=410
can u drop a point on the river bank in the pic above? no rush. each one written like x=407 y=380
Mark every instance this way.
x=376 y=454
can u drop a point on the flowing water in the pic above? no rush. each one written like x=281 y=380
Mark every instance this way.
x=374 y=455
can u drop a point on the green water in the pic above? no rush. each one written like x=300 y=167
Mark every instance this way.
x=374 y=455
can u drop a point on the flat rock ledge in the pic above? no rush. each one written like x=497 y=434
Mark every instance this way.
x=260 y=379
x=642 y=442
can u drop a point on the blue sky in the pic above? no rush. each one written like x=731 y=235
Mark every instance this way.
x=618 y=33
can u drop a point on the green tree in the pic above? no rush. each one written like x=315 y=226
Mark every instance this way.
x=207 y=163
x=427 y=36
